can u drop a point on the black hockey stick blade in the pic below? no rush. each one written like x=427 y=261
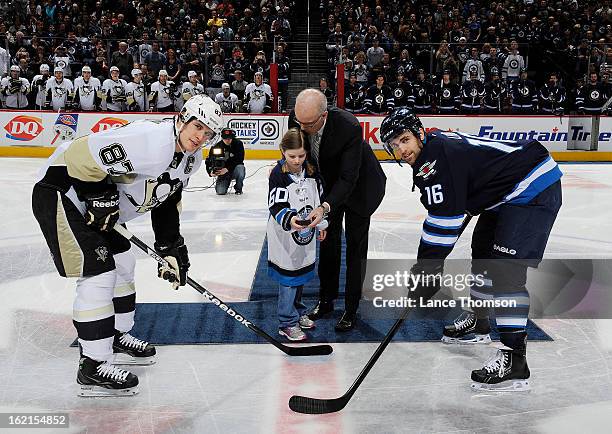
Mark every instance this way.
x=305 y=405
x=315 y=350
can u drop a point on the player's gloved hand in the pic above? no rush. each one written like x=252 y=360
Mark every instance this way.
x=102 y=210
x=427 y=275
x=119 y=98
x=178 y=260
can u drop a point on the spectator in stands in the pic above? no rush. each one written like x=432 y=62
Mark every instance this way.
x=284 y=72
x=155 y=60
x=238 y=86
x=361 y=69
x=260 y=64
x=375 y=54
x=473 y=64
x=173 y=66
x=325 y=90
x=123 y=60
x=216 y=76
x=513 y=64
x=193 y=60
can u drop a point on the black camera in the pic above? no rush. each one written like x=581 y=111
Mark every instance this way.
x=218 y=156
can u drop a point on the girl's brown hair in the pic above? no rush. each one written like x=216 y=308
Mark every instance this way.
x=293 y=139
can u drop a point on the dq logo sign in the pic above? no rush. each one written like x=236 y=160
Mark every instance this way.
x=108 y=123
x=23 y=128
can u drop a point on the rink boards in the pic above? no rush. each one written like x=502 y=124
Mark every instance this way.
x=569 y=138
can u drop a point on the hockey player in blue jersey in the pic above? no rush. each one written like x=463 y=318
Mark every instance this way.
x=514 y=188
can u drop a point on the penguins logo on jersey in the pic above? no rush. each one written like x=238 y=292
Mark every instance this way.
x=156 y=191
x=59 y=91
x=226 y=105
x=118 y=89
x=257 y=94
x=102 y=253
x=304 y=236
x=86 y=90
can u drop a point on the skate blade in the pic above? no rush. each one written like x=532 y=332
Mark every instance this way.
x=86 y=391
x=126 y=359
x=477 y=339
x=506 y=386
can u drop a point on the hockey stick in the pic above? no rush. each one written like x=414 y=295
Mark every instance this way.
x=315 y=350
x=306 y=405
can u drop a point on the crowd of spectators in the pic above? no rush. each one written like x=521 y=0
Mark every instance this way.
x=471 y=56
x=163 y=50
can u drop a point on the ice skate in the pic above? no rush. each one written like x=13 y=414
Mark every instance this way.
x=132 y=351
x=467 y=329
x=102 y=379
x=506 y=372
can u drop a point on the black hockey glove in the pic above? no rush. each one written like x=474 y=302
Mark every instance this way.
x=178 y=260
x=427 y=278
x=102 y=210
x=14 y=86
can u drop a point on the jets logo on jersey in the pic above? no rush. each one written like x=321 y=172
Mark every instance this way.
x=427 y=169
x=474 y=69
x=218 y=73
x=398 y=93
x=379 y=99
x=524 y=90
x=421 y=92
x=595 y=95
x=304 y=236
x=156 y=191
x=446 y=93
x=514 y=64
x=473 y=92
x=61 y=64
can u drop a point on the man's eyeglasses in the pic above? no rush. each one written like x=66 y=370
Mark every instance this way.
x=310 y=124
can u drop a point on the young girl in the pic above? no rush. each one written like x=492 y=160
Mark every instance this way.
x=294 y=191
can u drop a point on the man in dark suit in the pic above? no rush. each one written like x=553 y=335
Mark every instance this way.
x=353 y=187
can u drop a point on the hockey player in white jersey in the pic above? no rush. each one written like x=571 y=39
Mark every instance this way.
x=192 y=87
x=86 y=90
x=38 y=88
x=59 y=90
x=163 y=93
x=114 y=91
x=226 y=99
x=258 y=96
x=136 y=93
x=87 y=186
x=15 y=89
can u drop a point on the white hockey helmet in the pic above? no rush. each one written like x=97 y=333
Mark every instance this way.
x=136 y=72
x=205 y=110
x=86 y=69
x=14 y=68
x=58 y=69
x=44 y=68
x=162 y=72
x=114 y=68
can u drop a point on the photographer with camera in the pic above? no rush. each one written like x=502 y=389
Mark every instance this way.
x=226 y=161
x=15 y=89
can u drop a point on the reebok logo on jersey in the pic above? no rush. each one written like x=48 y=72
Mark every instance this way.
x=109 y=204
x=504 y=250
x=426 y=170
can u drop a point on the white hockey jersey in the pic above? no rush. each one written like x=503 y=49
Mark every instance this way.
x=18 y=99
x=228 y=104
x=291 y=254
x=115 y=94
x=139 y=157
x=59 y=91
x=258 y=98
x=85 y=93
x=512 y=66
x=39 y=87
x=137 y=99
x=163 y=94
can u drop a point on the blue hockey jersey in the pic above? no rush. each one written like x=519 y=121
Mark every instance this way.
x=459 y=174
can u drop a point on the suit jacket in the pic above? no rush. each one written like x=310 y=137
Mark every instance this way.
x=351 y=174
